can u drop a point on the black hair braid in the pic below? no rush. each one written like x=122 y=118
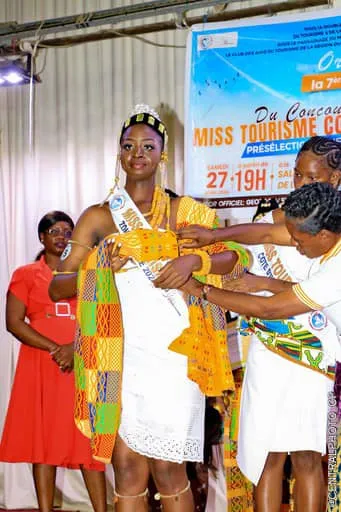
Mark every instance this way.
x=318 y=205
x=325 y=147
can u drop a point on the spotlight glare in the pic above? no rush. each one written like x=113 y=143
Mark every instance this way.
x=13 y=78
x=17 y=73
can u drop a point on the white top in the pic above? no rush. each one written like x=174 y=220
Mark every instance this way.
x=286 y=263
x=322 y=288
x=284 y=405
x=278 y=261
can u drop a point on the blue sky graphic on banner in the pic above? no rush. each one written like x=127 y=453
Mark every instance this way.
x=255 y=93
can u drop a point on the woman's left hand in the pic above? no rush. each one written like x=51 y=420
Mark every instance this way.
x=178 y=271
x=63 y=357
x=117 y=261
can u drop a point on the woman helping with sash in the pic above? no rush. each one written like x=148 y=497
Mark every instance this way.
x=291 y=361
x=145 y=357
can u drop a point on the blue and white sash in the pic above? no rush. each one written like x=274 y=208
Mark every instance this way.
x=128 y=217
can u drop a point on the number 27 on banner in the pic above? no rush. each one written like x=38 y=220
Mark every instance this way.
x=241 y=180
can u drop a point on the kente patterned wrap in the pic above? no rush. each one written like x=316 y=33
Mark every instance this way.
x=99 y=338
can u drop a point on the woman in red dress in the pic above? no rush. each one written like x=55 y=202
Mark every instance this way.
x=39 y=426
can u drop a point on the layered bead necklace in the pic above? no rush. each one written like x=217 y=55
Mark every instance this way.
x=160 y=208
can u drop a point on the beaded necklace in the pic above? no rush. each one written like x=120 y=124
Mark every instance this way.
x=160 y=208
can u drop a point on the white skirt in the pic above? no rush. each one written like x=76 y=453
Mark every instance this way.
x=162 y=410
x=284 y=408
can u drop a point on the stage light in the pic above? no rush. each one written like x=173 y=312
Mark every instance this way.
x=16 y=72
x=13 y=78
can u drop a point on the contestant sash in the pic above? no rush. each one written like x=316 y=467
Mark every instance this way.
x=128 y=217
x=303 y=339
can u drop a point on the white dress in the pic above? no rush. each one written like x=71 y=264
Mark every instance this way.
x=284 y=405
x=162 y=410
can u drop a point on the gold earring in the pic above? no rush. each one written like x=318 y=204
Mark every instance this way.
x=163 y=169
x=164 y=156
x=117 y=170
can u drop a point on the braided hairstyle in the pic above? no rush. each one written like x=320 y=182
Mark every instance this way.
x=327 y=148
x=317 y=206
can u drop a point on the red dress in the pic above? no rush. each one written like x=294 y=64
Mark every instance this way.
x=40 y=426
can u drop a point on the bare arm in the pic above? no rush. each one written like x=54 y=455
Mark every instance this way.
x=16 y=325
x=283 y=305
x=179 y=270
x=223 y=263
x=249 y=283
x=253 y=233
x=93 y=224
x=276 y=285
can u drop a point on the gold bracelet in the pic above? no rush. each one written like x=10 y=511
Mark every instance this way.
x=205 y=291
x=206 y=264
x=78 y=243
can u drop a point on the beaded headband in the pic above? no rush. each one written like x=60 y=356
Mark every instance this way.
x=143 y=114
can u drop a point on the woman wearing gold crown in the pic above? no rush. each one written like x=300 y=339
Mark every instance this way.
x=145 y=357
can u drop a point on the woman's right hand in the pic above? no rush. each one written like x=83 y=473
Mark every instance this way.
x=247 y=283
x=63 y=357
x=117 y=262
x=195 y=236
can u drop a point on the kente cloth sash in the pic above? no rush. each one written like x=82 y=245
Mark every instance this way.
x=291 y=340
x=303 y=339
x=98 y=353
x=99 y=338
x=205 y=341
x=147 y=245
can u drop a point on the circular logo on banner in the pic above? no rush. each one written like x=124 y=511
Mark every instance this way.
x=318 y=320
x=66 y=252
x=117 y=202
x=205 y=42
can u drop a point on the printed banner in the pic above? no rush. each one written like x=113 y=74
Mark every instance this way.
x=255 y=94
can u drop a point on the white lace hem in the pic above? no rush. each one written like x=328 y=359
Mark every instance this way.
x=143 y=442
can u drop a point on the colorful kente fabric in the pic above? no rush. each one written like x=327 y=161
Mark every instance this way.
x=99 y=339
x=239 y=489
x=205 y=341
x=290 y=340
x=147 y=244
x=98 y=353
